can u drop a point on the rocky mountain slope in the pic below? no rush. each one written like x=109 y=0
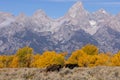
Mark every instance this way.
x=76 y=28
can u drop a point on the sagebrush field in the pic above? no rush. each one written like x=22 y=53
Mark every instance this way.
x=94 y=73
x=86 y=63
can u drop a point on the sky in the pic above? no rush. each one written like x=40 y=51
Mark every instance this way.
x=56 y=8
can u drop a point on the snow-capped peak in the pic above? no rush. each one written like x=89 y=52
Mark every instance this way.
x=102 y=11
x=78 y=4
x=39 y=14
x=76 y=10
x=5 y=14
x=92 y=22
x=21 y=17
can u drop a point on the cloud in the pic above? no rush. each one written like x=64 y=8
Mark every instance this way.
x=111 y=3
x=61 y=0
x=105 y=3
x=86 y=1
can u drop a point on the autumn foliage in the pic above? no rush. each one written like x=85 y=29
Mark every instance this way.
x=48 y=58
x=87 y=56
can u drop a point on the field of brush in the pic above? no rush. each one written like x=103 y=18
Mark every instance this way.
x=94 y=73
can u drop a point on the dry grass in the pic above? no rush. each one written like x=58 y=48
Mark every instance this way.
x=96 y=73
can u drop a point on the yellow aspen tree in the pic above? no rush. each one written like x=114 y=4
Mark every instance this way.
x=115 y=60
x=90 y=49
x=49 y=58
x=15 y=62
x=25 y=56
x=73 y=59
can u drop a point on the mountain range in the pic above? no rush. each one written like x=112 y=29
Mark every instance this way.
x=75 y=29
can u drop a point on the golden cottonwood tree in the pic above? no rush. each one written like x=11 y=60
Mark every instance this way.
x=14 y=62
x=73 y=59
x=5 y=61
x=35 y=61
x=2 y=61
x=94 y=60
x=49 y=58
x=115 y=60
x=90 y=49
x=103 y=60
x=83 y=61
x=24 y=56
